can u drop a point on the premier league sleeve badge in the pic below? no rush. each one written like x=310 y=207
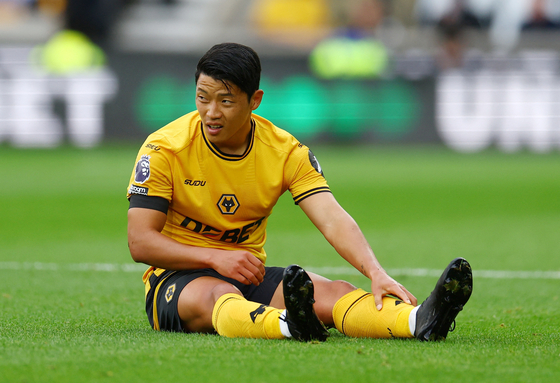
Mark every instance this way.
x=142 y=169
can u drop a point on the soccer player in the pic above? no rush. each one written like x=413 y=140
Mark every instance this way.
x=200 y=196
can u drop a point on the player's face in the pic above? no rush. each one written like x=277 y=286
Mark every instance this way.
x=225 y=113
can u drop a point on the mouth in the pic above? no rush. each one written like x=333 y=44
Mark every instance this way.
x=214 y=128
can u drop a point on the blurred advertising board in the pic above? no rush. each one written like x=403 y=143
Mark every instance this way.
x=507 y=102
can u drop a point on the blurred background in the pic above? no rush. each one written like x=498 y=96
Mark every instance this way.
x=467 y=74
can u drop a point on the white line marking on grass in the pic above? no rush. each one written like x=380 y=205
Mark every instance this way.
x=342 y=271
x=107 y=267
x=490 y=274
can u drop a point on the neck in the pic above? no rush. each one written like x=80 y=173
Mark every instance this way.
x=235 y=146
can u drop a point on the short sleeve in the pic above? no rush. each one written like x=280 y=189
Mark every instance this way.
x=307 y=174
x=151 y=175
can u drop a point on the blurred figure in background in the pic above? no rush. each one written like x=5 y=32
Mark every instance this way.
x=353 y=51
x=504 y=19
x=297 y=23
x=84 y=37
x=13 y=10
x=358 y=18
x=544 y=14
x=451 y=32
x=94 y=18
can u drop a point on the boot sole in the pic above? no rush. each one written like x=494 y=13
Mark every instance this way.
x=299 y=300
x=455 y=289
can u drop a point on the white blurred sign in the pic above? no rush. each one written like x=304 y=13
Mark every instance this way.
x=27 y=95
x=513 y=103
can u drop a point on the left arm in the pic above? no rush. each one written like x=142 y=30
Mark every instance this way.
x=343 y=233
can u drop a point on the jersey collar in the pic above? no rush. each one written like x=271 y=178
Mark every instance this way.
x=230 y=157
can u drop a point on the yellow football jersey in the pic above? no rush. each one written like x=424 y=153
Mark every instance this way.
x=219 y=200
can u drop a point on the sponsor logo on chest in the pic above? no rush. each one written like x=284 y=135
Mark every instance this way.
x=195 y=182
x=237 y=235
x=228 y=204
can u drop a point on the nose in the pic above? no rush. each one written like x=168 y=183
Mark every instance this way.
x=214 y=111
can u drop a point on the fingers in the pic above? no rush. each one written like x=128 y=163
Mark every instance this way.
x=250 y=270
x=378 y=297
x=401 y=292
x=256 y=269
x=395 y=289
x=412 y=299
x=254 y=277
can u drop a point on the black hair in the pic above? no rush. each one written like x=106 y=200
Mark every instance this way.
x=232 y=63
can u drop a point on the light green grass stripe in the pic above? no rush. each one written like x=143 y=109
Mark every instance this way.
x=344 y=271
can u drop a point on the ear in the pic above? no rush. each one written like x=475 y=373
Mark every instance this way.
x=256 y=99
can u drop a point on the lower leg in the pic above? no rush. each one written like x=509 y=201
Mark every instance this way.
x=355 y=315
x=235 y=317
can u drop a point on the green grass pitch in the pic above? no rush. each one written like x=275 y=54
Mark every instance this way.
x=71 y=299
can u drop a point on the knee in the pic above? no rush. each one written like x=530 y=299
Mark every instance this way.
x=197 y=301
x=340 y=288
x=326 y=296
x=224 y=288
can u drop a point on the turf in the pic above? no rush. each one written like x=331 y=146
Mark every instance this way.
x=71 y=305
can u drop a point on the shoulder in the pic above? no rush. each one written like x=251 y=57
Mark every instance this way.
x=274 y=137
x=176 y=135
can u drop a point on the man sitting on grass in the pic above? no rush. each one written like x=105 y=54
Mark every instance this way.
x=200 y=196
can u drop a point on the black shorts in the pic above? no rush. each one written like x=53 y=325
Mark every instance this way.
x=161 y=299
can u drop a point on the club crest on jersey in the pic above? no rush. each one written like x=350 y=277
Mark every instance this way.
x=228 y=204
x=315 y=163
x=142 y=169
x=169 y=293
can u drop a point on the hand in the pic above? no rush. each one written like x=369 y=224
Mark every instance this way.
x=382 y=285
x=240 y=265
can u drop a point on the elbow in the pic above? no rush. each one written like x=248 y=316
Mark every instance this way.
x=136 y=251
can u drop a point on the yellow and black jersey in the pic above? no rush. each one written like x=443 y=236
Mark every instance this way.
x=217 y=200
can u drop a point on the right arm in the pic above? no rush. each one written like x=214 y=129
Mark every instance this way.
x=148 y=245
